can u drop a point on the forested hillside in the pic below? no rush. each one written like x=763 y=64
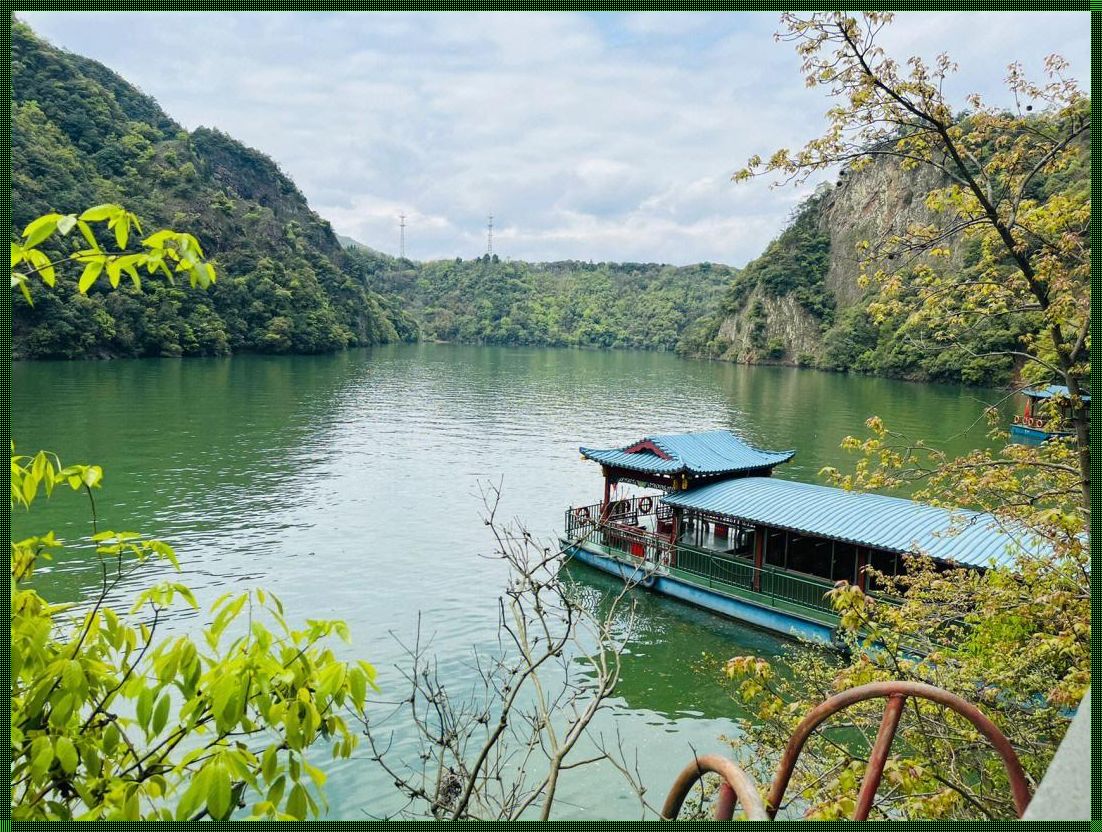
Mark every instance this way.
x=801 y=301
x=82 y=135
x=487 y=300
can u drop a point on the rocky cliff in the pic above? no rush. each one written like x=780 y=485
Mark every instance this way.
x=801 y=301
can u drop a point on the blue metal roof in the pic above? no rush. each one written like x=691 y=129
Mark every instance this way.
x=703 y=453
x=1049 y=391
x=891 y=523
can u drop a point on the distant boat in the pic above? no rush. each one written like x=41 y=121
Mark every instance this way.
x=725 y=535
x=1031 y=426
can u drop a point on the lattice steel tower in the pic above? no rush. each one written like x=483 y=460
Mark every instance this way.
x=402 y=236
x=490 y=236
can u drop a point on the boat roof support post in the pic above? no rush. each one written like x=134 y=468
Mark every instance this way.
x=759 y=555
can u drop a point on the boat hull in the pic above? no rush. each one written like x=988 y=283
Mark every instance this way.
x=739 y=609
x=1032 y=434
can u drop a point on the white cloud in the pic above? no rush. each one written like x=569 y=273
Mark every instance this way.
x=589 y=136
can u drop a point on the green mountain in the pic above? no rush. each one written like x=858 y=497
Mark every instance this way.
x=800 y=302
x=569 y=303
x=81 y=135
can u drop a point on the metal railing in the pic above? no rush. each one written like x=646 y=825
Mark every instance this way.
x=718 y=570
x=768 y=581
x=581 y=521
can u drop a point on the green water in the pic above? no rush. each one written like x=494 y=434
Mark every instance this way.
x=349 y=485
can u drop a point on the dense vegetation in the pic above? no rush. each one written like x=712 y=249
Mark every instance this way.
x=487 y=300
x=82 y=136
x=796 y=264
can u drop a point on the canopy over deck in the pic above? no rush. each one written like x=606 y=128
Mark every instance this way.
x=890 y=524
x=1049 y=392
x=709 y=454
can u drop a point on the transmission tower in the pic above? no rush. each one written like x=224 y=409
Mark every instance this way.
x=490 y=236
x=402 y=236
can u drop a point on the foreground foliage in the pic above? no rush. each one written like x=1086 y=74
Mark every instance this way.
x=111 y=717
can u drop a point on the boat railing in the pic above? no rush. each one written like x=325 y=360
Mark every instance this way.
x=638 y=542
x=581 y=521
x=769 y=582
x=723 y=572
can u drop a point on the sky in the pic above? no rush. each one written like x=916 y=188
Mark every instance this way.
x=588 y=136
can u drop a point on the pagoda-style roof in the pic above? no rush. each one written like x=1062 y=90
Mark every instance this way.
x=704 y=454
x=1051 y=391
x=893 y=524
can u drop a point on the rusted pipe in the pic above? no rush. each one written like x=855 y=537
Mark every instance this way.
x=725 y=803
x=875 y=769
x=738 y=787
x=897 y=693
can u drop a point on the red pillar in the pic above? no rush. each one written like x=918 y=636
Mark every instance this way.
x=862 y=562
x=608 y=494
x=675 y=535
x=759 y=555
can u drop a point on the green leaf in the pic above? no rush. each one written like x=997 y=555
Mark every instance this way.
x=72 y=677
x=89 y=237
x=67 y=754
x=42 y=755
x=99 y=213
x=39 y=229
x=357 y=681
x=114 y=272
x=92 y=476
x=122 y=231
x=42 y=266
x=194 y=796
x=91 y=272
x=145 y=708
x=160 y=715
x=269 y=763
x=296 y=803
x=158 y=239
x=110 y=739
x=219 y=791
x=67 y=223
x=21 y=282
x=275 y=791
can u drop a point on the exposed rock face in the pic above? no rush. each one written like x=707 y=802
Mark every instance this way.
x=869 y=205
x=879 y=201
x=786 y=324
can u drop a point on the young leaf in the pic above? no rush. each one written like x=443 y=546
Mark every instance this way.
x=67 y=754
x=39 y=229
x=100 y=212
x=91 y=272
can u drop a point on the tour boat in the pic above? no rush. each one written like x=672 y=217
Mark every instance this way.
x=723 y=534
x=1036 y=426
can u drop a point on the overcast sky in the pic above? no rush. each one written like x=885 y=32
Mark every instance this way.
x=605 y=136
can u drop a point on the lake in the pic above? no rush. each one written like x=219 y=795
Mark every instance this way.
x=349 y=485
